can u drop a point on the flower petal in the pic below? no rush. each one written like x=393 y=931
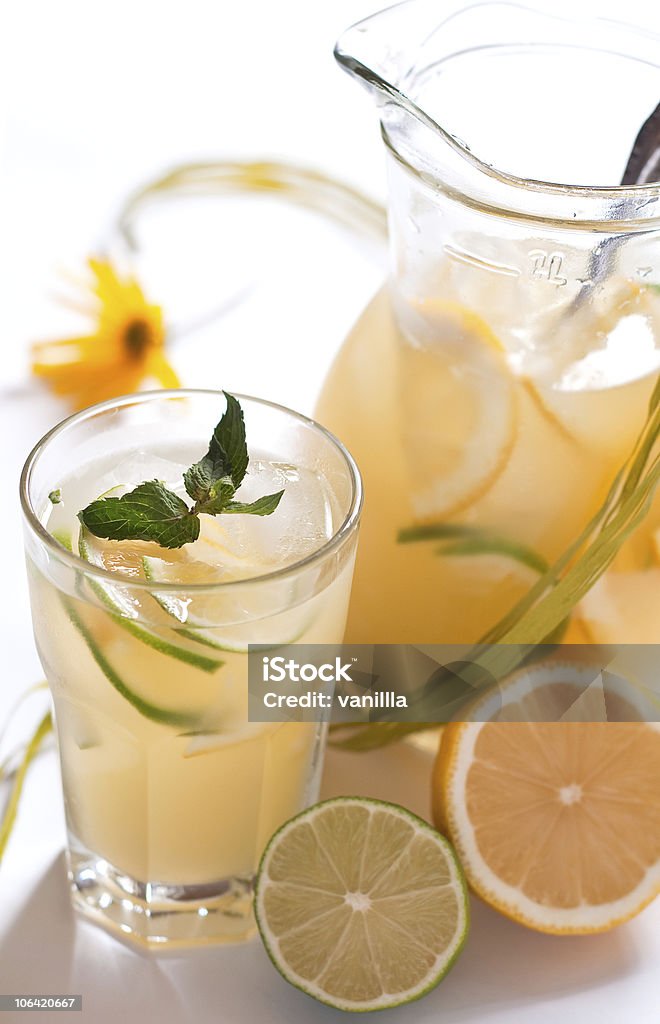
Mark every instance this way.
x=103 y=388
x=158 y=367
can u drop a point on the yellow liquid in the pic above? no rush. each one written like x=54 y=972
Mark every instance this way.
x=158 y=804
x=185 y=794
x=486 y=448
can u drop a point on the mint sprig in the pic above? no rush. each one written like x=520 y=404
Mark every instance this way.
x=225 y=462
x=151 y=512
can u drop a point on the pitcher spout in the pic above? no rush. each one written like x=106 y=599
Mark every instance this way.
x=488 y=101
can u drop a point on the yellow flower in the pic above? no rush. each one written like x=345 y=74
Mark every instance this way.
x=126 y=349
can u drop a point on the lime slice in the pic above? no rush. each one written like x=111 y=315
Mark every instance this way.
x=361 y=904
x=458 y=405
x=197 y=614
x=157 y=570
x=156 y=713
x=113 y=599
x=164 y=715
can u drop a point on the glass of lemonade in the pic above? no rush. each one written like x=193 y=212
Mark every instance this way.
x=170 y=791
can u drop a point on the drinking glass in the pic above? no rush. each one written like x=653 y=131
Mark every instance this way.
x=170 y=792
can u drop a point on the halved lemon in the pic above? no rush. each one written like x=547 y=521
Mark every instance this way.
x=556 y=825
x=458 y=406
x=593 y=683
x=361 y=904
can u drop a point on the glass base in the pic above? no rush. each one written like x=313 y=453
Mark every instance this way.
x=155 y=915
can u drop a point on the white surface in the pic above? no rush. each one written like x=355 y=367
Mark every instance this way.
x=507 y=974
x=102 y=98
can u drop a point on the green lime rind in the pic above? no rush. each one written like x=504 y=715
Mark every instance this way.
x=199 y=634
x=464 y=540
x=165 y=716
x=390 y=1000
x=63 y=537
x=195 y=633
x=159 y=643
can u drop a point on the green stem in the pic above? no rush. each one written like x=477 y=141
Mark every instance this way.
x=9 y=818
x=465 y=540
x=544 y=610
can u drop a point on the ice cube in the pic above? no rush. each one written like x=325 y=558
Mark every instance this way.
x=301 y=524
x=139 y=466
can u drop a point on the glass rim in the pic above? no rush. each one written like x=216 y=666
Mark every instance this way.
x=78 y=564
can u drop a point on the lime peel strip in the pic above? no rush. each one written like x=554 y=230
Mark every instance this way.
x=195 y=634
x=159 y=644
x=156 y=714
x=471 y=540
x=152 y=711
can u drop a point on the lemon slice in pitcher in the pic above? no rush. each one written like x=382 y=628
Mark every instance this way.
x=605 y=357
x=361 y=904
x=623 y=607
x=458 y=407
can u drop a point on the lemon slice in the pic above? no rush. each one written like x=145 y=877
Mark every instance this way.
x=458 y=407
x=596 y=382
x=623 y=608
x=361 y=904
x=556 y=824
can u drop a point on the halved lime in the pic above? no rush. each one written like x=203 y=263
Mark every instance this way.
x=361 y=904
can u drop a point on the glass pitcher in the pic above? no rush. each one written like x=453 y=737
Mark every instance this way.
x=494 y=387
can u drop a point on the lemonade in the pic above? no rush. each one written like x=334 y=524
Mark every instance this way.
x=478 y=444
x=495 y=386
x=171 y=793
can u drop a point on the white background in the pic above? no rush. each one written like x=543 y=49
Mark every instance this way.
x=97 y=98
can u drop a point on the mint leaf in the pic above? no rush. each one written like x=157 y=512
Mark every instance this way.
x=149 y=512
x=230 y=435
x=55 y=497
x=219 y=495
x=227 y=455
x=260 y=507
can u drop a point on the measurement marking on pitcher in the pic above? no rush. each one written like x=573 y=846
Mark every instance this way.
x=462 y=256
x=546 y=266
